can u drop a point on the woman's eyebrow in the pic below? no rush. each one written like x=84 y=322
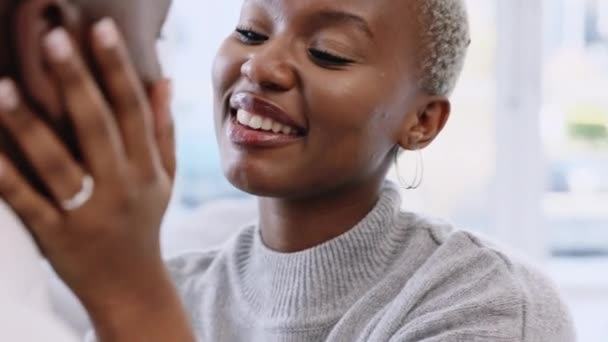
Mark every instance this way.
x=340 y=17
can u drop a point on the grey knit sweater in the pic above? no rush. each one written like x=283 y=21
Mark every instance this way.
x=394 y=277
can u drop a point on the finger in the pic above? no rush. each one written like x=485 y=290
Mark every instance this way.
x=40 y=216
x=50 y=158
x=160 y=99
x=127 y=95
x=95 y=126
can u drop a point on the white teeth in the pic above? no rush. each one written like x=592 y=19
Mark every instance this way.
x=267 y=124
x=277 y=127
x=243 y=117
x=257 y=122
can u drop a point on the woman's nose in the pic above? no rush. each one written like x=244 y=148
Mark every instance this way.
x=271 y=68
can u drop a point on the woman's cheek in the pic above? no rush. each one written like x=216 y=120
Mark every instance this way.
x=226 y=68
x=347 y=102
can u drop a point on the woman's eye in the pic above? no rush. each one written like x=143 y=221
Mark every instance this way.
x=250 y=36
x=328 y=59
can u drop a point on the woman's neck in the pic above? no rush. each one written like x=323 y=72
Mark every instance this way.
x=290 y=226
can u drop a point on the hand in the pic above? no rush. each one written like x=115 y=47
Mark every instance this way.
x=100 y=230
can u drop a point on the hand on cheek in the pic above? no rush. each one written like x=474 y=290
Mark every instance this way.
x=100 y=228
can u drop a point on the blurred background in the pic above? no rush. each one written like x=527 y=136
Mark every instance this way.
x=524 y=158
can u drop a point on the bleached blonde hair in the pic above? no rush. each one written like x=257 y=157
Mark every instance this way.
x=444 y=38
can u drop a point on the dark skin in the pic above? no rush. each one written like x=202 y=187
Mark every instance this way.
x=141 y=30
x=358 y=104
x=350 y=83
x=23 y=24
x=107 y=251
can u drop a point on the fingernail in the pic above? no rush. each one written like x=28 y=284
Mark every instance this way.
x=9 y=100
x=106 y=33
x=58 y=44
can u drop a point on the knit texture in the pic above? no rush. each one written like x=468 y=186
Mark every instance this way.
x=395 y=277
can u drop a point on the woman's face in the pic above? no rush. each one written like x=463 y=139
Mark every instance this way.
x=313 y=95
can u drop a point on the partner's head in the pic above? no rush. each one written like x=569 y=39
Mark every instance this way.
x=23 y=23
x=345 y=83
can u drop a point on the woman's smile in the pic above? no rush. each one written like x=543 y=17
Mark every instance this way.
x=257 y=122
x=251 y=130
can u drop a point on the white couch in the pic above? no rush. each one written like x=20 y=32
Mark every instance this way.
x=25 y=306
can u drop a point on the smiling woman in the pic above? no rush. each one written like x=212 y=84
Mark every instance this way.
x=312 y=102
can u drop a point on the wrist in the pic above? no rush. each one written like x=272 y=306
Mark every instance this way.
x=145 y=311
x=129 y=282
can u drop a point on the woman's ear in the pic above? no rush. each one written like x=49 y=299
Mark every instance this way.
x=32 y=20
x=422 y=128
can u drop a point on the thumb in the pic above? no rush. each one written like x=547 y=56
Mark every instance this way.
x=160 y=95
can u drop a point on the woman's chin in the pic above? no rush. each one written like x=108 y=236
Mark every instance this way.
x=256 y=182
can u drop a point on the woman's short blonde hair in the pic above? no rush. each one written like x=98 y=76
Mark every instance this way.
x=444 y=36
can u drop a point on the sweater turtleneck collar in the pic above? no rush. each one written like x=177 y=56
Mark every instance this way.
x=304 y=287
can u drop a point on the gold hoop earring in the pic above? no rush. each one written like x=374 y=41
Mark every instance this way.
x=418 y=171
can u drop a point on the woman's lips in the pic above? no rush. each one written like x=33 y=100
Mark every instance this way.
x=246 y=136
x=258 y=106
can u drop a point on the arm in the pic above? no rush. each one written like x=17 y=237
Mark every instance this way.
x=523 y=307
x=151 y=313
x=464 y=324
x=471 y=291
x=485 y=322
x=104 y=243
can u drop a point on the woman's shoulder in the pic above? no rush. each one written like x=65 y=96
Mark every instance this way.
x=467 y=257
x=189 y=264
x=468 y=271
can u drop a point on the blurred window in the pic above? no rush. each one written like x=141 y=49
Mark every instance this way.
x=575 y=126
